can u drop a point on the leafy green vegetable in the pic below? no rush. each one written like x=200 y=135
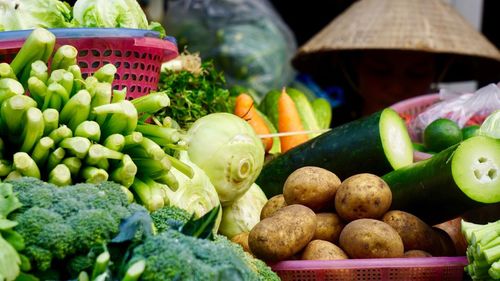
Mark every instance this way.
x=28 y=14
x=195 y=89
x=109 y=13
x=10 y=260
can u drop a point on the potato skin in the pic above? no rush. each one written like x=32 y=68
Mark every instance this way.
x=363 y=196
x=310 y=186
x=328 y=227
x=370 y=238
x=416 y=254
x=284 y=234
x=414 y=232
x=442 y=244
x=242 y=240
x=323 y=250
x=272 y=205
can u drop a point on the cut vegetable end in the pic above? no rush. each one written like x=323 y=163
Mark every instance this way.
x=395 y=139
x=476 y=168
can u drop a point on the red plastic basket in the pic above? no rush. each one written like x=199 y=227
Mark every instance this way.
x=390 y=269
x=137 y=54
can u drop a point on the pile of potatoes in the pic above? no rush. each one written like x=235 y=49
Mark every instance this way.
x=320 y=217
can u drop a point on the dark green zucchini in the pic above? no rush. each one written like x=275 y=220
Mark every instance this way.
x=455 y=181
x=375 y=144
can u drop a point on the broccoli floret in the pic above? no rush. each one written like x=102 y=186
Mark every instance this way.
x=169 y=218
x=171 y=255
x=66 y=222
x=260 y=268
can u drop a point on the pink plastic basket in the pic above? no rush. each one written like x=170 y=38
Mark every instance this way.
x=391 y=269
x=137 y=54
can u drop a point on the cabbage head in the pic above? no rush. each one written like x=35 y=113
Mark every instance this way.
x=109 y=13
x=244 y=213
x=29 y=14
x=196 y=195
x=226 y=147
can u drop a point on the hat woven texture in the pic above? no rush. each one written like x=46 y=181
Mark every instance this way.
x=413 y=25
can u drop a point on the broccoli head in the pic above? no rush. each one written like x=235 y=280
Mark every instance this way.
x=169 y=218
x=66 y=222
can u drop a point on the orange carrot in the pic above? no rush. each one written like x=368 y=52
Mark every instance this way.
x=245 y=108
x=289 y=121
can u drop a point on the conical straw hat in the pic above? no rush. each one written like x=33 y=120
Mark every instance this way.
x=412 y=25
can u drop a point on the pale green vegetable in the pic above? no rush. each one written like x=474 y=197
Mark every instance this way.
x=491 y=126
x=196 y=195
x=28 y=14
x=244 y=213
x=109 y=13
x=228 y=150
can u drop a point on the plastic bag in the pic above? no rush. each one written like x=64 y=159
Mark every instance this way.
x=247 y=39
x=463 y=108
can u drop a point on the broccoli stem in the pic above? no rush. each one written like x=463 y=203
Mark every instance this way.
x=115 y=142
x=77 y=146
x=101 y=264
x=39 y=70
x=76 y=110
x=97 y=153
x=5 y=168
x=164 y=135
x=94 y=175
x=125 y=172
x=55 y=158
x=13 y=110
x=64 y=57
x=89 y=130
x=61 y=133
x=60 y=175
x=78 y=82
x=135 y=271
x=151 y=167
x=181 y=166
x=50 y=120
x=41 y=151
x=106 y=73
x=39 y=45
x=6 y=71
x=150 y=196
x=151 y=103
x=8 y=88
x=74 y=165
x=33 y=129
x=119 y=95
x=25 y=165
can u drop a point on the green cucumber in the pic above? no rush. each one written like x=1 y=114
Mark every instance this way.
x=269 y=106
x=306 y=112
x=456 y=180
x=323 y=111
x=276 y=148
x=376 y=144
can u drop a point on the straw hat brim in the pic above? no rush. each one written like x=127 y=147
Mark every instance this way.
x=415 y=26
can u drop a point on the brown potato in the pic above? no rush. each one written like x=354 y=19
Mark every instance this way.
x=328 y=227
x=453 y=228
x=242 y=240
x=416 y=254
x=443 y=244
x=369 y=238
x=272 y=205
x=414 y=232
x=313 y=187
x=284 y=234
x=363 y=196
x=323 y=250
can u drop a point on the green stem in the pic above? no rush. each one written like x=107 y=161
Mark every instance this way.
x=5 y=168
x=38 y=45
x=151 y=103
x=74 y=165
x=13 y=110
x=170 y=180
x=83 y=276
x=132 y=140
x=135 y=271
x=106 y=73
x=94 y=175
x=119 y=95
x=181 y=166
x=77 y=146
x=101 y=264
x=77 y=109
x=33 y=129
x=42 y=150
x=125 y=172
x=152 y=168
x=115 y=142
x=101 y=96
x=6 y=71
x=39 y=70
x=14 y=175
x=149 y=198
x=90 y=130
x=65 y=79
x=37 y=89
x=166 y=135
x=50 y=120
x=63 y=132
x=79 y=82
x=25 y=165
x=60 y=175
x=99 y=152
x=55 y=91
x=64 y=57
x=8 y=88
x=55 y=158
